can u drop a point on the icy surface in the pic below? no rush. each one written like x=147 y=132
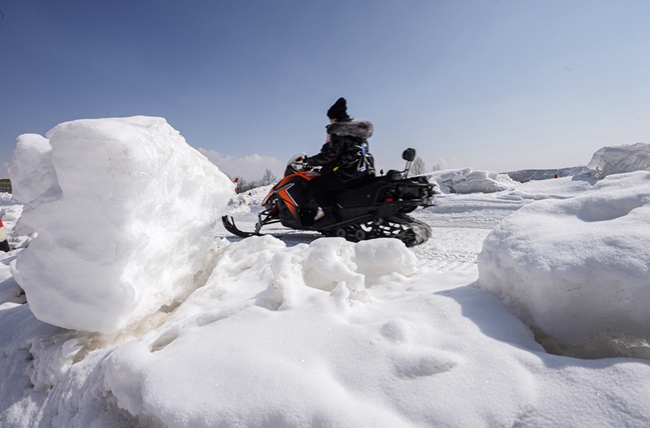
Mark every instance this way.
x=620 y=159
x=134 y=214
x=578 y=270
x=468 y=180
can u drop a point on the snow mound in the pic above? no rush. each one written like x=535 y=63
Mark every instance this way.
x=578 y=270
x=468 y=180
x=620 y=159
x=309 y=346
x=31 y=169
x=124 y=209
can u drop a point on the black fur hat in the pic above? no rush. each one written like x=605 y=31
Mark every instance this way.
x=339 y=110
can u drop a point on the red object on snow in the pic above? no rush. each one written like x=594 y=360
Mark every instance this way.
x=4 y=244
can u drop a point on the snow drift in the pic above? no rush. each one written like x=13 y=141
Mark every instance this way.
x=578 y=270
x=620 y=159
x=147 y=204
x=469 y=180
x=301 y=299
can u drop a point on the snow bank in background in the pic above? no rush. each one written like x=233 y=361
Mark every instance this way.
x=620 y=159
x=578 y=270
x=526 y=175
x=131 y=211
x=31 y=170
x=486 y=210
x=249 y=201
x=468 y=180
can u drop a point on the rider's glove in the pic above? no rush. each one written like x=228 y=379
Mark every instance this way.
x=305 y=162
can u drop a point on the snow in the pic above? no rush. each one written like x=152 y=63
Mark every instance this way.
x=146 y=203
x=469 y=180
x=31 y=169
x=526 y=175
x=620 y=159
x=291 y=330
x=578 y=270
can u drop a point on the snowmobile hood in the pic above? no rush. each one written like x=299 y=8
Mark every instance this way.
x=352 y=129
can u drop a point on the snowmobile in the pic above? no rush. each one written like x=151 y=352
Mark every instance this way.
x=377 y=208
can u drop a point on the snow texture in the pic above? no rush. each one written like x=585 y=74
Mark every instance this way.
x=578 y=270
x=31 y=169
x=147 y=203
x=294 y=330
x=468 y=180
x=526 y=175
x=620 y=159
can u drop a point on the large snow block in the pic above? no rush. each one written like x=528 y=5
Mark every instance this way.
x=620 y=159
x=136 y=212
x=578 y=270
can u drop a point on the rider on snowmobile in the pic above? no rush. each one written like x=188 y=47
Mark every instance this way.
x=344 y=158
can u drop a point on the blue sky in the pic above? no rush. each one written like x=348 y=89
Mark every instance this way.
x=498 y=85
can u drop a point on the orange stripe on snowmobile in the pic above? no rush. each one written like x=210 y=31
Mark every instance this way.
x=307 y=175
x=282 y=189
x=288 y=200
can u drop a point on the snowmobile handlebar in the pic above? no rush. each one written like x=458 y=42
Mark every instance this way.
x=295 y=164
x=409 y=156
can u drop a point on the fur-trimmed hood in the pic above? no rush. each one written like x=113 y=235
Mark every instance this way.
x=352 y=129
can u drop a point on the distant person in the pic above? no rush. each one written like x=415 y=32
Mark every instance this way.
x=344 y=158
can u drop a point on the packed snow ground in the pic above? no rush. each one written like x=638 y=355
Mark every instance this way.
x=290 y=329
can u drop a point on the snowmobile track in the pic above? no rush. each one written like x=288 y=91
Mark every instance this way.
x=401 y=226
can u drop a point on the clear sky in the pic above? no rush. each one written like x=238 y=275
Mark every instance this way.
x=499 y=85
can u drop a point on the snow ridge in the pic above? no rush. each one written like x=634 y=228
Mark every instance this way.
x=620 y=159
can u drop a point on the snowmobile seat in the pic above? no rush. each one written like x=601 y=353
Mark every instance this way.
x=370 y=193
x=394 y=175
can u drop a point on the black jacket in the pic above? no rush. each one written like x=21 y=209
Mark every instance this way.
x=346 y=154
